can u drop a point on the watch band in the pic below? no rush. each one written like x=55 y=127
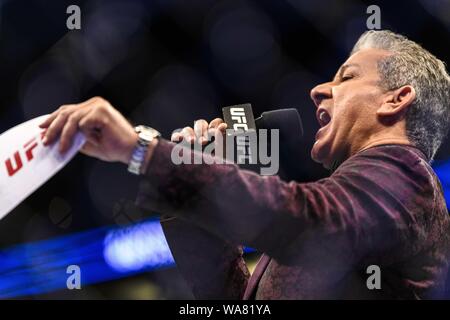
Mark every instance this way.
x=145 y=137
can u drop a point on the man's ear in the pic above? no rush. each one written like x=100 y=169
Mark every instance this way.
x=396 y=104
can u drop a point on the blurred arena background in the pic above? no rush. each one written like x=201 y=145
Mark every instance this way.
x=164 y=63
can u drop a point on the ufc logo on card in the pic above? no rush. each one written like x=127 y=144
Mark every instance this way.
x=16 y=161
x=25 y=164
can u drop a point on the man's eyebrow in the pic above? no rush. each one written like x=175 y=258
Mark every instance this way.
x=344 y=67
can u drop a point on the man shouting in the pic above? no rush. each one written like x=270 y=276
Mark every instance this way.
x=383 y=117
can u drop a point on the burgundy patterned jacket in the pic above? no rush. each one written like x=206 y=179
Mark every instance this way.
x=383 y=206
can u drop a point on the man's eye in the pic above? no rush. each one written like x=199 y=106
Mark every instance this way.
x=345 y=78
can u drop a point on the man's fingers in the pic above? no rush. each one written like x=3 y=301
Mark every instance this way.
x=201 y=131
x=215 y=123
x=222 y=128
x=176 y=137
x=65 y=109
x=54 y=115
x=213 y=126
x=49 y=120
x=55 y=128
x=70 y=129
x=188 y=134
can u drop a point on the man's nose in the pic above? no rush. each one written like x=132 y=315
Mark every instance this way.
x=321 y=92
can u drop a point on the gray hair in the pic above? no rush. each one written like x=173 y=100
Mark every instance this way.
x=428 y=118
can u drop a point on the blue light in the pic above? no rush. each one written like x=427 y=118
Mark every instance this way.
x=443 y=172
x=138 y=247
x=102 y=254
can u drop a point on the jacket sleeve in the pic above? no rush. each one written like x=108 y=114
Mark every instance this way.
x=213 y=268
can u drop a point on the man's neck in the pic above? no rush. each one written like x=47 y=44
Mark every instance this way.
x=383 y=141
x=373 y=142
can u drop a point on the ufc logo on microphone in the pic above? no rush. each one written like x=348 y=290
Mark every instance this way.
x=238 y=115
x=16 y=162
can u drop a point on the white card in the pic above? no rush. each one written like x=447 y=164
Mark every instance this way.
x=26 y=164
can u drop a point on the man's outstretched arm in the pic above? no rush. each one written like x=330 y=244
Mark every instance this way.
x=213 y=267
x=328 y=217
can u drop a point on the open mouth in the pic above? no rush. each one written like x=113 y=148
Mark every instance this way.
x=323 y=117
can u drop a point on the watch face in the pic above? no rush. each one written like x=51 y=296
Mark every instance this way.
x=147 y=133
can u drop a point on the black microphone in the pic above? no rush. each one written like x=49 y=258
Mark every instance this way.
x=289 y=123
x=292 y=146
x=290 y=129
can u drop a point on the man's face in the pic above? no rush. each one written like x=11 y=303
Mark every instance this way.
x=346 y=108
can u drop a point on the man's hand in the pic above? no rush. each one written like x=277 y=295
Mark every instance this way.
x=109 y=136
x=202 y=132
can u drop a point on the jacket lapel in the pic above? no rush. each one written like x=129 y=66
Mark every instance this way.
x=256 y=277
